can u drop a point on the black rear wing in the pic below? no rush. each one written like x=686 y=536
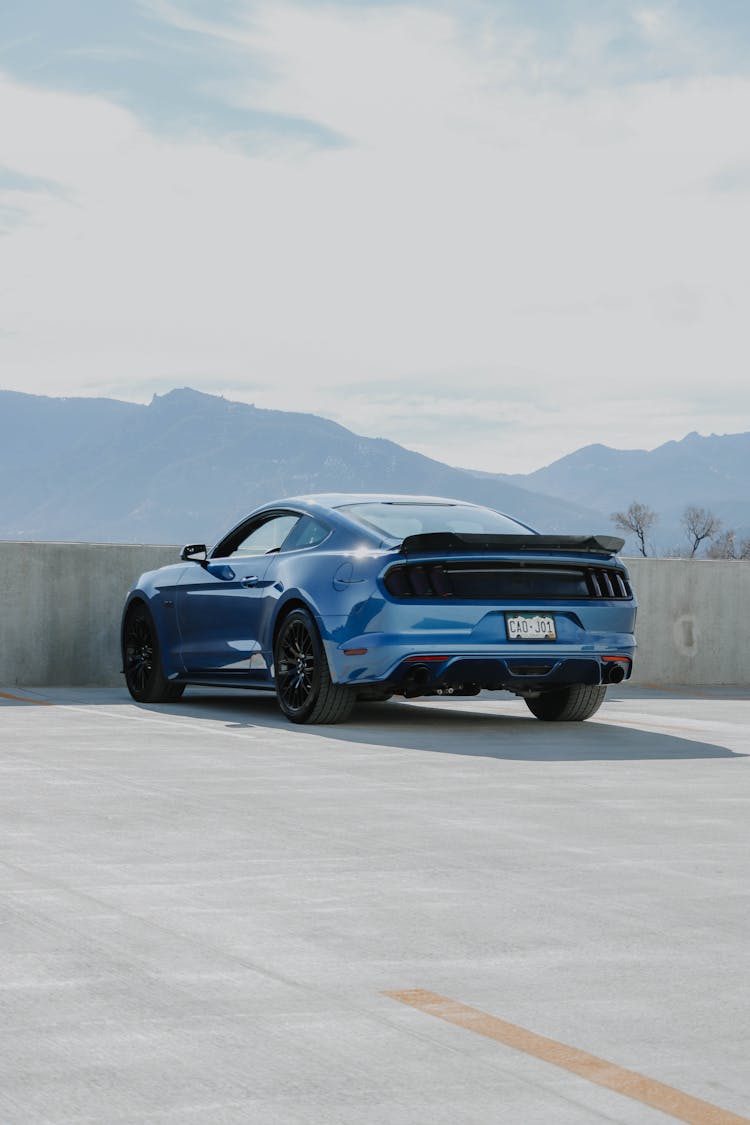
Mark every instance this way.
x=451 y=542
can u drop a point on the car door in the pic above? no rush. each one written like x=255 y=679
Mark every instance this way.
x=219 y=603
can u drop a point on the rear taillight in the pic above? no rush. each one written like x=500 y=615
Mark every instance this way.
x=429 y=580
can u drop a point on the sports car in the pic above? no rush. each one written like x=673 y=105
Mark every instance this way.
x=327 y=600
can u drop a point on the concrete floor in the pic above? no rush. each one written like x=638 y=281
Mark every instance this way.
x=202 y=906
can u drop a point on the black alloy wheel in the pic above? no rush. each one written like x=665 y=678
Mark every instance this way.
x=141 y=660
x=304 y=688
x=569 y=704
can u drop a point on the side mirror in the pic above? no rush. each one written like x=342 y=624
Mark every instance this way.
x=194 y=552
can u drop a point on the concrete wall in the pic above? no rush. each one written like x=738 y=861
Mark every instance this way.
x=693 y=620
x=60 y=606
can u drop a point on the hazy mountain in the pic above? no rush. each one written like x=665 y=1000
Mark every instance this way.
x=712 y=472
x=187 y=466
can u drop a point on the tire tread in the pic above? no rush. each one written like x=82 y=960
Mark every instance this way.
x=159 y=689
x=573 y=704
x=334 y=702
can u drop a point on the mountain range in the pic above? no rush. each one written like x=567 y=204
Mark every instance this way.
x=189 y=465
x=711 y=472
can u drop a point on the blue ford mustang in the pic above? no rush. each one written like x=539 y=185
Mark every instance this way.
x=327 y=600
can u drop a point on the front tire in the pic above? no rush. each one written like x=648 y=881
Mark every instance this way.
x=304 y=688
x=141 y=660
x=568 y=705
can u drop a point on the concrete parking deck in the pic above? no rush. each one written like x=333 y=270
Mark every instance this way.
x=205 y=909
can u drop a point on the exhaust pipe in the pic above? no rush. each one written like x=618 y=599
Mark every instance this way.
x=416 y=681
x=613 y=673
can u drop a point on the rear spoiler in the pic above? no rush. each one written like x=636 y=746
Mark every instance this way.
x=450 y=541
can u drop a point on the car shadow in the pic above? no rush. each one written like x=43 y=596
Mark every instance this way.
x=446 y=729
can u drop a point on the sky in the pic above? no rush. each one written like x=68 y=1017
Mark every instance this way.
x=491 y=230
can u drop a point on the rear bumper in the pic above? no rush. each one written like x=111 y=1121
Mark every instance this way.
x=519 y=674
x=537 y=667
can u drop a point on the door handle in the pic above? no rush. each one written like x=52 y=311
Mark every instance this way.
x=250 y=580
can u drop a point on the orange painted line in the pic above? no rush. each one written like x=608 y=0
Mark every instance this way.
x=627 y=1082
x=25 y=699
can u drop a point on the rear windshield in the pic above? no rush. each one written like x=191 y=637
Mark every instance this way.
x=398 y=519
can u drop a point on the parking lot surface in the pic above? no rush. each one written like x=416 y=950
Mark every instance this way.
x=439 y=912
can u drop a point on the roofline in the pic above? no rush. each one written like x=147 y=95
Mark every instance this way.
x=342 y=499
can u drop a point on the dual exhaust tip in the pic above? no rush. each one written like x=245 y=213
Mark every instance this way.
x=613 y=670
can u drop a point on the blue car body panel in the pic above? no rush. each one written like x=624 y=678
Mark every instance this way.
x=216 y=620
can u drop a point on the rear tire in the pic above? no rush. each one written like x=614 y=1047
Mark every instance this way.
x=568 y=705
x=141 y=660
x=304 y=688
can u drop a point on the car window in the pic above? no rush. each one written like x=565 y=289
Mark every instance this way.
x=401 y=518
x=268 y=537
x=309 y=532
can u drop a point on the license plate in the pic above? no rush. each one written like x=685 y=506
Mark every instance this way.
x=530 y=627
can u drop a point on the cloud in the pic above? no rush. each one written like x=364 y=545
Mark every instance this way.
x=13 y=181
x=496 y=264
x=734 y=178
x=182 y=75
x=16 y=192
x=191 y=69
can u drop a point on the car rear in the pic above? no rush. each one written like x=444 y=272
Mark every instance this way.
x=520 y=619
x=479 y=601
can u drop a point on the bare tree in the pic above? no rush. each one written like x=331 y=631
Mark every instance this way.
x=637 y=520
x=699 y=524
x=725 y=546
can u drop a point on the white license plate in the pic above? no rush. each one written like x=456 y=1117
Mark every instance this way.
x=530 y=627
